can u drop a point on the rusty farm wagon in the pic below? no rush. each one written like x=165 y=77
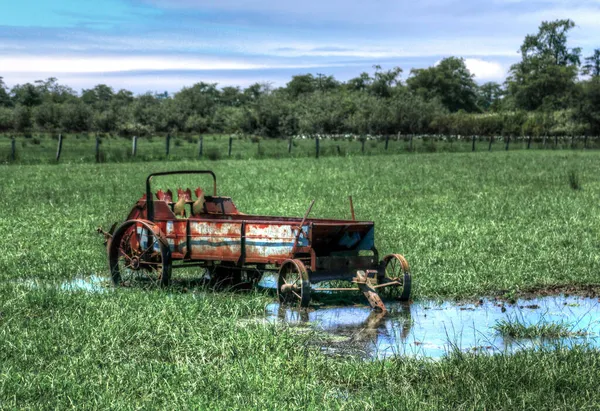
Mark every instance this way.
x=162 y=233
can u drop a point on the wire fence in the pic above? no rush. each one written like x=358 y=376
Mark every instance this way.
x=82 y=148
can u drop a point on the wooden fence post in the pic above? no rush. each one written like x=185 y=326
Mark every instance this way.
x=573 y=141
x=507 y=142
x=290 y=145
x=317 y=145
x=230 y=143
x=544 y=144
x=362 y=145
x=59 y=148
x=556 y=141
x=585 y=142
x=529 y=142
x=387 y=140
x=491 y=141
x=200 y=144
x=13 y=149
x=411 y=143
x=473 y=143
x=134 y=146
x=168 y=144
x=97 y=149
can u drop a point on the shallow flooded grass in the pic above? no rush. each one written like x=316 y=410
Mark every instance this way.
x=133 y=348
x=516 y=328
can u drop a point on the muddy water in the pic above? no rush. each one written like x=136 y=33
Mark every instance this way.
x=431 y=329
x=420 y=329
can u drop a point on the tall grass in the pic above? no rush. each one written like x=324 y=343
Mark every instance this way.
x=138 y=349
x=469 y=225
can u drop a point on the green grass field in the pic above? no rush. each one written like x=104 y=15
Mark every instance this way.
x=470 y=224
x=81 y=148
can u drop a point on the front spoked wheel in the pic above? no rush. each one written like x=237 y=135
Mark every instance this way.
x=395 y=270
x=293 y=283
x=139 y=255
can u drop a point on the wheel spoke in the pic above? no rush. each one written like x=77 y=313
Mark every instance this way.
x=297 y=295
x=149 y=248
x=124 y=254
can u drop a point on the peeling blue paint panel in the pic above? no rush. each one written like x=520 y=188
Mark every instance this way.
x=368 y=241
x=349 y=240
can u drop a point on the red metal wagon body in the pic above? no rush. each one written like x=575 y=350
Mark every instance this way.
x=208 y=231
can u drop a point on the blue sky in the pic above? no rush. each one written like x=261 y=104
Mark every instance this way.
x=162 y=45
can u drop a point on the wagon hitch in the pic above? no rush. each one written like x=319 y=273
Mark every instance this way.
x=107 y=234
x=364 y=286
x=362 y=280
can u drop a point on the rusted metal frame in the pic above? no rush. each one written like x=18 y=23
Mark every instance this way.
x=387 y=284
x=188 y=240
x=301 y=225
x=242 y=258
x=150 y=199
x=347 y=263
x=261 y=219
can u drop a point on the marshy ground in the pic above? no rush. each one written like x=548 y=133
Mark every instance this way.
x=493 y=226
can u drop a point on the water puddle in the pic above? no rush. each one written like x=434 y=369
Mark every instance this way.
x=93 y=283
x=432 y=329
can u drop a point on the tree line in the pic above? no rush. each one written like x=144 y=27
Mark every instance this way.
x=551 y=90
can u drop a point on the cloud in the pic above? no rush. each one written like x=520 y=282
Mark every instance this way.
x=486 y=70
x=119 y=63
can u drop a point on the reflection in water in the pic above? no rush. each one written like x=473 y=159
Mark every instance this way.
x=431 y=329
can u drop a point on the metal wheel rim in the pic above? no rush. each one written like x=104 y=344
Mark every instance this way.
x=137 y=265
x=292 y=275
x=396 y=269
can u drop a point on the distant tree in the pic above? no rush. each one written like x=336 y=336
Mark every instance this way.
x=99 y=97
x=122 y=99
x=588 y=104
x=546 y=74
x=450 y=81
x=6 y=119
x=489 y=96
x=384 y=81
x=47 y=116
x=22 y=118
x=4 y=96
x=76 y=117
x=53 y=92
x=27 y=95
x=360 y=83
x=232 y=97
x=325 y=83
x=300 y=84
x=202 y=99
x=592 y=65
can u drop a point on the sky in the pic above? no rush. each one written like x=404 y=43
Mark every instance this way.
x=164 y=45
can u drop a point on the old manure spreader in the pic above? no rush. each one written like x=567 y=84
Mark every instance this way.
x=208 y=231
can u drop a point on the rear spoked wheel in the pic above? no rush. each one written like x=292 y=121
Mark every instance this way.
x=394 y=269
x=293 y=283
x=139 y=256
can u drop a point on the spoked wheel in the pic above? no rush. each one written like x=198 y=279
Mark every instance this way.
x=139 y=255
x=293 y=283
x=395 y=269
